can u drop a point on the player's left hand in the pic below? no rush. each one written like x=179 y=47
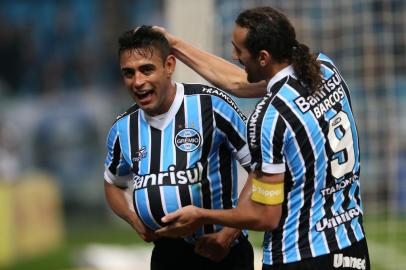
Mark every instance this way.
x=181 y=223
x=214 y=246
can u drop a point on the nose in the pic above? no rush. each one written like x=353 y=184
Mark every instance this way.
x=234 y=55
x=138 y=80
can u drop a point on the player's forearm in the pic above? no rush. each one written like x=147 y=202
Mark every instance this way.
x=233 y=218
x=247 y=215
x=209 y=66
x=118 y=203
x=216 y=70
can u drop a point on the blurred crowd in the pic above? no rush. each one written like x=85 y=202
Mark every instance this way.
x=49 y=46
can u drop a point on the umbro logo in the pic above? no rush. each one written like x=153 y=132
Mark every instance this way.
x=341 y=261
x=140 y=154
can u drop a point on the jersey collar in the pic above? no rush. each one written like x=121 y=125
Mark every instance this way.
x=287 y=71
x=161 y=121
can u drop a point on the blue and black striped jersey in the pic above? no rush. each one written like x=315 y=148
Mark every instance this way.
x=313 y=140
x=186 y=156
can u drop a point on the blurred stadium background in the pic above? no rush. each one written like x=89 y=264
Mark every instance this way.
x=60 y=90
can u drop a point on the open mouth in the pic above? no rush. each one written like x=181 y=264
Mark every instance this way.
x=145 y=96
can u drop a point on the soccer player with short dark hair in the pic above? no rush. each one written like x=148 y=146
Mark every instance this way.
x=178 y=145
x=305 y=186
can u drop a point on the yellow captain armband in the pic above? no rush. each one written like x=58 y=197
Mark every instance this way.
x=267 y=193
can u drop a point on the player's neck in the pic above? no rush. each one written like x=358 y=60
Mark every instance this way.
x=275 y=68
x=167 y=103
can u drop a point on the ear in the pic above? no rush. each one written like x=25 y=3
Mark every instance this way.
x=264 y=57
x=170 y=65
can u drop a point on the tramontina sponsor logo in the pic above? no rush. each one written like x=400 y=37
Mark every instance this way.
x=224 y=96
x=339 y=186
x=337 y=220
x=170 y=177
x=188 y=140
x=341 y=261
x=252 y=124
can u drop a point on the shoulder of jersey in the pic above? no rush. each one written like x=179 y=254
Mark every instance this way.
x=195 y=88
x=201 y=89
x=324 y=58
x=132 y=109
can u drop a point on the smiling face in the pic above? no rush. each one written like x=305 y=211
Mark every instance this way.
x=148 y=79
x=241 y=53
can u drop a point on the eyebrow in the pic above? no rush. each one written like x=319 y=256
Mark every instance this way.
x=126 y=69
x=147 y=65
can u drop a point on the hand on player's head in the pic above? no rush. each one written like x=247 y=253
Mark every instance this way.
x=169 y=37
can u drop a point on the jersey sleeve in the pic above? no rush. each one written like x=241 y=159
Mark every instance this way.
x=268 y=143
x=117 y=171
x=231 y=123
x=324 y=58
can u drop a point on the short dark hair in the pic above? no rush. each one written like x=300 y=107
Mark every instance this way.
x=143 y=40
x=270 y=30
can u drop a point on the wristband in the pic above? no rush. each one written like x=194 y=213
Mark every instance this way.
x=267 y=193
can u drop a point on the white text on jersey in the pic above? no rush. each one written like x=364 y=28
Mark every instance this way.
x=324 y=99
x=170 y=177
x=337 y=220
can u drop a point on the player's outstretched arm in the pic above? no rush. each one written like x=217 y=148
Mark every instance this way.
x=249 y=214
x=118 y=203
x=214 y=69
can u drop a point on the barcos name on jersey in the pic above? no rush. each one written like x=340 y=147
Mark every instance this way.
x=330 y=93
x=170 y=177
